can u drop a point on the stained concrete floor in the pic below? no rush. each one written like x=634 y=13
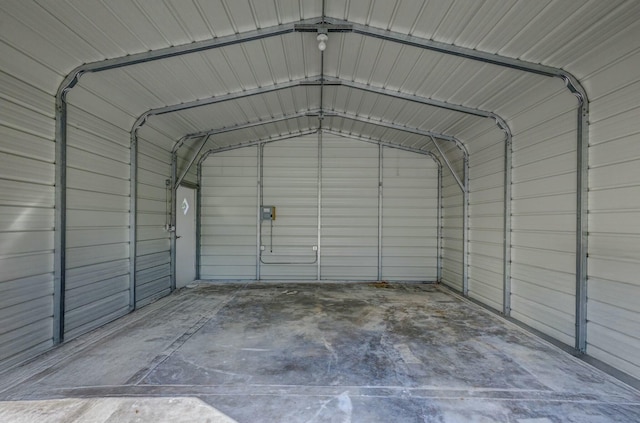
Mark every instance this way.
x=313 y=353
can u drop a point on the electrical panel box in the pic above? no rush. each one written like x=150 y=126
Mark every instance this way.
x=268 y=213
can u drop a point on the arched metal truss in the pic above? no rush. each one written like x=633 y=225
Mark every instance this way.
x=330 y=25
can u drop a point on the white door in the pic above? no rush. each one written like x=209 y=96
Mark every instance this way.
x=185 y=236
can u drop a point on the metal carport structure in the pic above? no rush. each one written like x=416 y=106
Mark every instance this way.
x=461 y=90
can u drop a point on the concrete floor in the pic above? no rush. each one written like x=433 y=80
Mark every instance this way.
x=312 y=353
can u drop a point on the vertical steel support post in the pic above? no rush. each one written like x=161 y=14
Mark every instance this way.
x=60 y=217
x=319 y=275
x=259 y=148
x=582 y=191
x=133 y=214
x=172 y=221
x=506 y=240
x=439 y=224
x=198 y=219
x=380 y=152
x=465 y=230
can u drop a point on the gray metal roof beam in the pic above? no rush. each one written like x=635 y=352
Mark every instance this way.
x=217 y=99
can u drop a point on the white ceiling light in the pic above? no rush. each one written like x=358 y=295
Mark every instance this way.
x=322 y=41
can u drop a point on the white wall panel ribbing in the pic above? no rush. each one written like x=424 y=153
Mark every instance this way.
x=544 y=213
x=26 y=219
x=614 y=206
x=452 y=222
x=290 y=183
x=153 y=254
x=349 y=209
x=229 y=204
x=350 y=206
x=409 y=216
x=98 y=204
x=486 y=213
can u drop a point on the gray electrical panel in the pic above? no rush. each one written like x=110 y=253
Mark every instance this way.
x=268 y=213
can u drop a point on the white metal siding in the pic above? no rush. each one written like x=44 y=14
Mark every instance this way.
x=486 y=214
x=153 y=252
x=409 y=216
x=349 y=209
x=290 y=183
x=26 y=219
x=229 y=205
x=452 y=224
x=544 y=213
x=614 y=206
x=98 y=204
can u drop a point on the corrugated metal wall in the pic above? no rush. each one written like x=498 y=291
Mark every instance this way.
x=229 y=189
x=543 y=281
x=26 y=214
x=409 y=216
x=153 y=252
x=290 y=183
x=452 y=222
x=350 y=207
x=614 y=202
x=486 y=213
x=98 y=203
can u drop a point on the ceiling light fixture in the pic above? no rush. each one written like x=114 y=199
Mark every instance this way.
x=322 y=41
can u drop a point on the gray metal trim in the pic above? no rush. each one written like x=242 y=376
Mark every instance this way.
x=198 y=221
x=506 y=239
x=380 y=194
x=259 y=194
x=582 y=191
x=60 y=234
x=465 y=229
x=318 y=251
x=416 y=99
x=164 y=53
x=439 y=235
x=572 y=83
x=172 y=225
x=133 y=218
x=216 y=99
